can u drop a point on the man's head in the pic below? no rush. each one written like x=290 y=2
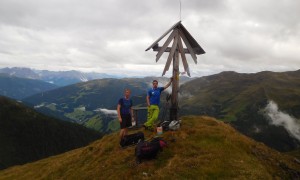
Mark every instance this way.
x=155 y=83
x=127 y=93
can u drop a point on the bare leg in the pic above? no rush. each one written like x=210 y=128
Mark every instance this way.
x=125 y=131
x=122 y=131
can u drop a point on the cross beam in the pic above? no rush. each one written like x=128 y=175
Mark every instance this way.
x=158 y=48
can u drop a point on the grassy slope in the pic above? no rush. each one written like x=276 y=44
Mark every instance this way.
x=27 y=136
x=204 y=148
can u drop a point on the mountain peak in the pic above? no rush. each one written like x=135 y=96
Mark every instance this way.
x=203 y=148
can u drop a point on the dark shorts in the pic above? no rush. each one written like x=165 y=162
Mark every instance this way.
x=126 y=121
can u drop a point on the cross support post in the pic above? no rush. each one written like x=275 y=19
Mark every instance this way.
x=175 y=86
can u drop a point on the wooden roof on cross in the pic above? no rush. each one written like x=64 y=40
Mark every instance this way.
x=196 y=47
x=178 y=32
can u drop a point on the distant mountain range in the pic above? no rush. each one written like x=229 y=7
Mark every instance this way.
x=59 y=78
x=87 y=103
x=239 y=99
x=19 y=88
x=26 y=135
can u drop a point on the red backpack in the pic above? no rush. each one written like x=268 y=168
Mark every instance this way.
x=149 y=150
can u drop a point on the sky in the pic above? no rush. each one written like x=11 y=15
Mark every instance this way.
x=111 y=36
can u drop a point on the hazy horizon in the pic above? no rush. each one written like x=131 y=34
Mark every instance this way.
x=111 y=36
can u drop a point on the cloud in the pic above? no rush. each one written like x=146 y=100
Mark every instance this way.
x=107 y=111
x=111 y=36
x=279 y=118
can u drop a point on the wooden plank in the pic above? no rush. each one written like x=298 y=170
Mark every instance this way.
x=167 y=32
x=171 y=54
x=186 y=42
x=186 y=66
x=196 y=47
x=168 y=49
x=163 y=48
x=184 y=61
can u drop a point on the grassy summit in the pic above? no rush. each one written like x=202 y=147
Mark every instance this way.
x=204 y=148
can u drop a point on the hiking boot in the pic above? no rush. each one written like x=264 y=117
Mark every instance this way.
x=150 y=128
x=145 y=126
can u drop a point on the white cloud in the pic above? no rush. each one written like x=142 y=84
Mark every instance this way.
x=111 y=36
x=107 y=111
x=279 y=118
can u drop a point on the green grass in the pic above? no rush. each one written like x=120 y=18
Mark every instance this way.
x=79 y=115
x=95 y=123
x=114 y=125
x=51 y=106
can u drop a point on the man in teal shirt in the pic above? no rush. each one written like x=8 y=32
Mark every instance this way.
x=153 y=99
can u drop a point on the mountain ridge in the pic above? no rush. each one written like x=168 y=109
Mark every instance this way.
x=59 y=78
x=241 y=99
x=19 y=88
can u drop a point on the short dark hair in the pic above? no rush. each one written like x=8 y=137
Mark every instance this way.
x=154 y=81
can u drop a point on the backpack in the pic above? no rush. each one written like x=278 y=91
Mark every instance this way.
x=174 y=125
x=132 y=139
x=149 y=150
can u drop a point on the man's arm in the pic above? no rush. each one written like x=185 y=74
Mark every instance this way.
x=119 y=114
x=169 y=83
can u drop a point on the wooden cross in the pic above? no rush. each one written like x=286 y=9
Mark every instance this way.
x=179 y=34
